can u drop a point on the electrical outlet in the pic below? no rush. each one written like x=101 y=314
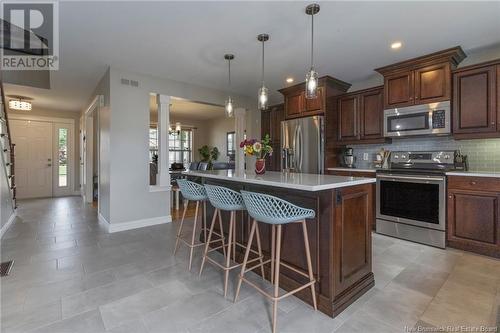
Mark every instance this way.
x=365 y=156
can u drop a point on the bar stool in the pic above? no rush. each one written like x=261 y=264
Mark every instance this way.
x=277 y=212
x=192 y=191
x=224 y=199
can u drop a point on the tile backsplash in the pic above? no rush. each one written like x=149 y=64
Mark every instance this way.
x=483 y=154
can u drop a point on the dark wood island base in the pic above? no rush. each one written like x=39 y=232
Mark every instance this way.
x=339 y=237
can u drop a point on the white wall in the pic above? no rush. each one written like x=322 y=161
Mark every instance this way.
x=217 y=135
x=124 y=142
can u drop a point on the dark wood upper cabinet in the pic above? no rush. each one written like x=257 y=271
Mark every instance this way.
x=297 y=105
x=432 y=83
x=348 y=111
x=316 y=104
x=399 y=89
x=372 y=114
x=421 y=80
x=474 y=214
x=360 y=117
x=294 y=104
x=475 y=108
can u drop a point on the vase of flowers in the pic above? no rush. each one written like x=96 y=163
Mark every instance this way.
x=259 y=149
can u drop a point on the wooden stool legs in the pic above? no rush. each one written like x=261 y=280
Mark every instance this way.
x=231 y=248
x=276 y=234
x=192 y=243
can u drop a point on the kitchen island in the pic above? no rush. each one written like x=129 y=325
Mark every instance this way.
x=339 y=235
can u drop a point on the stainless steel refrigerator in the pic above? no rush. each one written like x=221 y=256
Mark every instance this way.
x=302 y=145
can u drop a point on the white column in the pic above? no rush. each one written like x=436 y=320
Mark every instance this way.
x=239 y=127
x=163 y=177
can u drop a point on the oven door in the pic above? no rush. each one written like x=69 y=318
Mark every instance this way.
x=417 y=200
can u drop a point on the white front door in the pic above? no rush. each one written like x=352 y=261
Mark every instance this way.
x=33 y=163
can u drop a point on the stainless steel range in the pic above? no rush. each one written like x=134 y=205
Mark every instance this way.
x=411 y=196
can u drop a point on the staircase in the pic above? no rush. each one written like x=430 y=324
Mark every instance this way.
x=7 y=148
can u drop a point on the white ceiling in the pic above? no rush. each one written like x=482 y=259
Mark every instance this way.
x=187 y=110
x=186 y=41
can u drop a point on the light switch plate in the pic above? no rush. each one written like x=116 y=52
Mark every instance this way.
x=365 y=156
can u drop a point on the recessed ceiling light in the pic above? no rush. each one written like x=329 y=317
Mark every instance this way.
x=396 y=45
x=289 y=79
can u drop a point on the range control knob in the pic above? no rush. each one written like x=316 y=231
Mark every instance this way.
x=396 y=157
x=446 y=157
x=403 y=156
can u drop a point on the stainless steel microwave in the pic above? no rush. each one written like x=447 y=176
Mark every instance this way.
x=425 y=119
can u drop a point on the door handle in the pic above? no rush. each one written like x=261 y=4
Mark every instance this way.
x=49 y=164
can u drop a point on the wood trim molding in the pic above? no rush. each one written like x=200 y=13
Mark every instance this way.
x=478 y=65
x=14 y=116
x=453 y=55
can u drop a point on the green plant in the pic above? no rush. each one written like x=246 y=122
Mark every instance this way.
x=208 y=154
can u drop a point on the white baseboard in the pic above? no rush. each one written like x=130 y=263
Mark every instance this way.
x=102 y=219
x=7 y=225
x=116 y=227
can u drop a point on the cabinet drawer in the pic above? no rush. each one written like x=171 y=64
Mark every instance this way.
x=474 y=183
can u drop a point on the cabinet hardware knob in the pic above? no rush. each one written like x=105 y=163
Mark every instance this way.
x=449 y=196
x=473 y=183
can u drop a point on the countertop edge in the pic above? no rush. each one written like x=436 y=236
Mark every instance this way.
x=311 y=188
x=474 y=174
x=351 y=169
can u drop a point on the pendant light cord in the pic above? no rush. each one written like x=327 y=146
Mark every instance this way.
x=263 y=63
x=229 y=73
x=312 y=40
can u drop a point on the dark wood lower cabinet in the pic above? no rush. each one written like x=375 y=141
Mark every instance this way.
x=474 y=215
x=339 y=238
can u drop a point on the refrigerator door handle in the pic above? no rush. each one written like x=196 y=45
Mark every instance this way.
x=294 y=150
x=299 y=150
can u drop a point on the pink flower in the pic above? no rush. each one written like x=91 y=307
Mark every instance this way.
x=242 y=144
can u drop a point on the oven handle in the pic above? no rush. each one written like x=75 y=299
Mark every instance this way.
x=411 y=178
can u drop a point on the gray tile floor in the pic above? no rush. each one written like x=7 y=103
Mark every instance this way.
x=70 y=275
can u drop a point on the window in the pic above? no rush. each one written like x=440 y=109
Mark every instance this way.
x=180 y=147
x=153 y=144
x=231 y=145
x=62 y=157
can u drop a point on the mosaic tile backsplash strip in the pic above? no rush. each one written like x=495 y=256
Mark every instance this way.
x=484 y=155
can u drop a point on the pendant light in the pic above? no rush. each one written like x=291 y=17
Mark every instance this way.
x=312 y=75
x=229 y=108
x=263 y=91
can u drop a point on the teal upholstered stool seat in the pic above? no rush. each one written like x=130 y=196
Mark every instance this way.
x=191 y=191
x=277 y=212
x=225 y=199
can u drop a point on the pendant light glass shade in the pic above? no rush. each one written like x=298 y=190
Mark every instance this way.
x=311 y=84
x=229 y=109
x=229 y=105
x=312 y=75
x=263 y=96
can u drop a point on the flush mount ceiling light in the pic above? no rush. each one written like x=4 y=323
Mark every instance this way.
x=396 y=45
x=312 y=75
x=263 y=91
x=19 y=104
x=229 y=108
x=289 y=80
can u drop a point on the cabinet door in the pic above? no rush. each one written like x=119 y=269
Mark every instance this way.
x=372 y=114
x=294 y=104
x=474 y=222
x=277 y=116
x=348 y=118
x=432 y=84
x=317 y=104
x=398 y=89
x=474 y=101
x=265 y=123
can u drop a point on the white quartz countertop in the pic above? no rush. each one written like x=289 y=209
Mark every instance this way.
x=495 y=174
x=352 y=169
x=298 y=181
